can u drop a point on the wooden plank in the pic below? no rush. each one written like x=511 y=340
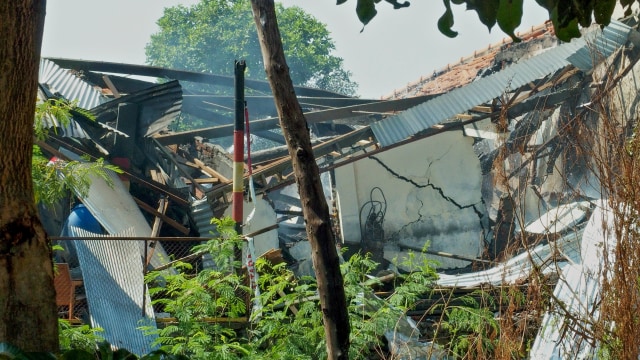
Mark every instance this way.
x=482 y=109
x=114 y=90
x=164 y=218
x=210 y=171
x=203 y=181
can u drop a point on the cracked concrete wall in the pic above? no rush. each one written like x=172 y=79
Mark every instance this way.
x=432 y=189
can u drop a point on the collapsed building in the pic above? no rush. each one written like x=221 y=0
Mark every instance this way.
x=468 y=166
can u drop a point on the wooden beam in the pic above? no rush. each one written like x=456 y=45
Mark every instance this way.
x=209 y=170
x=204 y=181
x=165 y=218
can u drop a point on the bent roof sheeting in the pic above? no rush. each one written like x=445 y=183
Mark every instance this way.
x=397 y=128
x=70 y=86
x=115 y=209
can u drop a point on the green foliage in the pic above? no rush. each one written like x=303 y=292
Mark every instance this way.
x=211 y=35
x=52 y=180
x=199 y=300
x=289 y=324
x=58 y=110
x=370 y=316
x=99 y=351
x=81 y=337
x=416 y=282
x=472 y=327
x=566 y=16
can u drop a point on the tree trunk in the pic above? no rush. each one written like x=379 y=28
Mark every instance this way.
x=314 y=206
x=28 y=314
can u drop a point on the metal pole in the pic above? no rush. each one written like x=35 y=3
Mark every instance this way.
x=238 y=147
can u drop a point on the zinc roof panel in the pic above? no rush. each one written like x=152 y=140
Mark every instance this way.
x=442 y=108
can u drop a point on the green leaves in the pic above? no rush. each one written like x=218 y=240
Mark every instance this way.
x=509 y=15
x=366 y=10
x=567 y=16
x=602 y=11
x=445 y=23
x=210 y=35
x=486 y=10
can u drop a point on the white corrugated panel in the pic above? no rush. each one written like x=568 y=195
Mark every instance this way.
x=114 y=208
x=559 y=219
x=68 y=85
x=562 y=335
x=520 y=267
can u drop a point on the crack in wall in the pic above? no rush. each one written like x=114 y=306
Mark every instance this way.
x=433 y=187
x=396 y=235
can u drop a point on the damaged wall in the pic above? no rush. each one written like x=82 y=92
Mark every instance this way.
x=429 y=191
x=263 y=217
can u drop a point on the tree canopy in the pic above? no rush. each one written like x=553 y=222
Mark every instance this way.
x=211 y=35
x=567 y=16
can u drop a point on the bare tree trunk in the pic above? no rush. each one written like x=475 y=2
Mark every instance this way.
x=28 y=316
x=314 y=206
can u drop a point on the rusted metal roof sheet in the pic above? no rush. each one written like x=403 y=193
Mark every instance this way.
x=397 y=128
x=114 y=285
x=68 y=85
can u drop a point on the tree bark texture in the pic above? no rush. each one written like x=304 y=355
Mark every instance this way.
x=28 y=313
x=314 y=206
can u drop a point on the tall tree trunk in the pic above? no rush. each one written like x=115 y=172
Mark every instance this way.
x=314 y=206
x=28 y=316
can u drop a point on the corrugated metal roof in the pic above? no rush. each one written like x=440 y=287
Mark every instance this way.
x=520 y=267
x=559 y=219
x=115 y=290
x=397 y=128
x=202 y=214
x=72 y=129
x=558 y=338
x=599 y=45
x=158 y=106
x=70 y=86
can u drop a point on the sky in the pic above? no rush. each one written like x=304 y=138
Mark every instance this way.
x=396 y=48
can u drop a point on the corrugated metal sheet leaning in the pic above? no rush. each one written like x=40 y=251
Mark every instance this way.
x=114 y=208
x=115 y=290
x=560 y=336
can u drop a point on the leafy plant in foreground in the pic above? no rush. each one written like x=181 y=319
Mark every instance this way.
x=203 y=301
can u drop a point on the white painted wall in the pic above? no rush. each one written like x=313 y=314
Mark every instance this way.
x=433 y=193
x=263 y=217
